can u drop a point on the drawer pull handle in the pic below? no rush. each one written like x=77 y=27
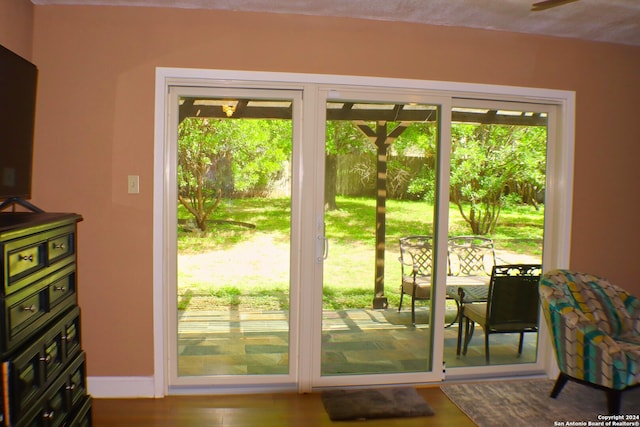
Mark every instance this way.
x=31 y=308
x=48 y=415
x=25 y=257
x=58 y=246
x=59 y=288
x=71 y=387
x=46 y=359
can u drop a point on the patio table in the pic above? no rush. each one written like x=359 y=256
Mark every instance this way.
x=466 y=290
x=471 y=290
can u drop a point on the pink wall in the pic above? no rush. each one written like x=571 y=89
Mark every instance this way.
x=16 y=26
x=95 y=127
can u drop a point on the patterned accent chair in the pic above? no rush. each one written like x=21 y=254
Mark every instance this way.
x=595 y=330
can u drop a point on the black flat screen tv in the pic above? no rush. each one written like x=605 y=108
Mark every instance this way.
x=18 y=83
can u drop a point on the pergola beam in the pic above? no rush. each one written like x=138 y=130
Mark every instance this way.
x=191 y=108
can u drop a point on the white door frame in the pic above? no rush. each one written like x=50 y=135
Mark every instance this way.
x=295 y=96
x=551 y=248
x=384 y=95
x=560 y=179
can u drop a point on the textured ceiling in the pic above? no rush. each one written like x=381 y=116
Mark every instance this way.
x=613 y=21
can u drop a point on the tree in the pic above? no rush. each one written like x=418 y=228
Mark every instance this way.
x=485 y=159
x=228 y=158
x=418 y=140
x=342 y=137
x=198 y=190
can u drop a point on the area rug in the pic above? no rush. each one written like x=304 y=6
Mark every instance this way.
x=362 y=404
x=527 y=403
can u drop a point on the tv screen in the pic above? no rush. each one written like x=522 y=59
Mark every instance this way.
x=18 y=81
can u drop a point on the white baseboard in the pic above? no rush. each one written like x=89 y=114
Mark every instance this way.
x=121 y=387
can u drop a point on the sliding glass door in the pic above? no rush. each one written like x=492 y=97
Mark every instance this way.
x=498 y=183
x=236 y=292
x=381 y=155
x=321 y=240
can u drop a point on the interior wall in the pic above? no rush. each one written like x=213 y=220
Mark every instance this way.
x=95 y=126
x=16 y=26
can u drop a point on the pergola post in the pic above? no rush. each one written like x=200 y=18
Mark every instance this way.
x=382 y=140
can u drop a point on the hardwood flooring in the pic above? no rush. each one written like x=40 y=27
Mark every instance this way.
x=264 y=410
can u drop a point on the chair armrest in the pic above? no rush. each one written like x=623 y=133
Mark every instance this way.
x=584 y=351
x=633 y=308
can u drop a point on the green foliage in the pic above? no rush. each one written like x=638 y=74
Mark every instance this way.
x=341 y=137
x=198 y=191
x=344 y=137
x=221 y=158
x=419 y=139
x=225 y=225
x=422 y=186
x=485 y=161
x=351 y=232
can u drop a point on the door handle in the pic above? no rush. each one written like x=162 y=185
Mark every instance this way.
x=322 y=248
x=322 y=243
x=325 y=254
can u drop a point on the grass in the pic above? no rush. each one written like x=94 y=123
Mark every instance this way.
x=234 y=266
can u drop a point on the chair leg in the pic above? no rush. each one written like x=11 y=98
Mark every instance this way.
x=401 y=295
x=413 y=311
x=457 y=318
x=560 y=382
x=459 y=344
x=486 y=345
x=468 y=333
x=614 y=399
x=520 y=343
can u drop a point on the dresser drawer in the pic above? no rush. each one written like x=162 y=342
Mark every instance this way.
x=33 y=369
x=71 y=336
x=27 y=311
x=62 y=288
x=23 y=312
x=77 y=382
x=25 y=260
x=29 y=259
x=82 y=417
x=61 y=246
x=61 y=402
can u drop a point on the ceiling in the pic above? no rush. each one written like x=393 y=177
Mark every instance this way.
x=612 y=21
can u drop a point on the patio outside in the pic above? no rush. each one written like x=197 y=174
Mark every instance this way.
x=380 y=185
x=233 y=334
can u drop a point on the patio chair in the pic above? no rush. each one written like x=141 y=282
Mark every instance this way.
x=595 y=331
x=471 y=256
x=512 y=305
x=416 y=260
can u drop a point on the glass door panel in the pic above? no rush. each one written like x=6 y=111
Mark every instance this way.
x=497 y=189
x=380 y=187
x=234 y=212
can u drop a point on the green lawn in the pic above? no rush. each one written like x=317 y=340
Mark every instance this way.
x=235 y=265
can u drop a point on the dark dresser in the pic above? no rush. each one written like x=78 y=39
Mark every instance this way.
x=43 y=364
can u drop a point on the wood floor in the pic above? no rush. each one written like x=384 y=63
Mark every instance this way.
x=264 y=410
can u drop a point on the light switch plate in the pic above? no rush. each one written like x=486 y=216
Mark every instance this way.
x=133 y=184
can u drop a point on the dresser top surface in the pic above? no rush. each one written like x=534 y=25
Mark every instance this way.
x=10 y=221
